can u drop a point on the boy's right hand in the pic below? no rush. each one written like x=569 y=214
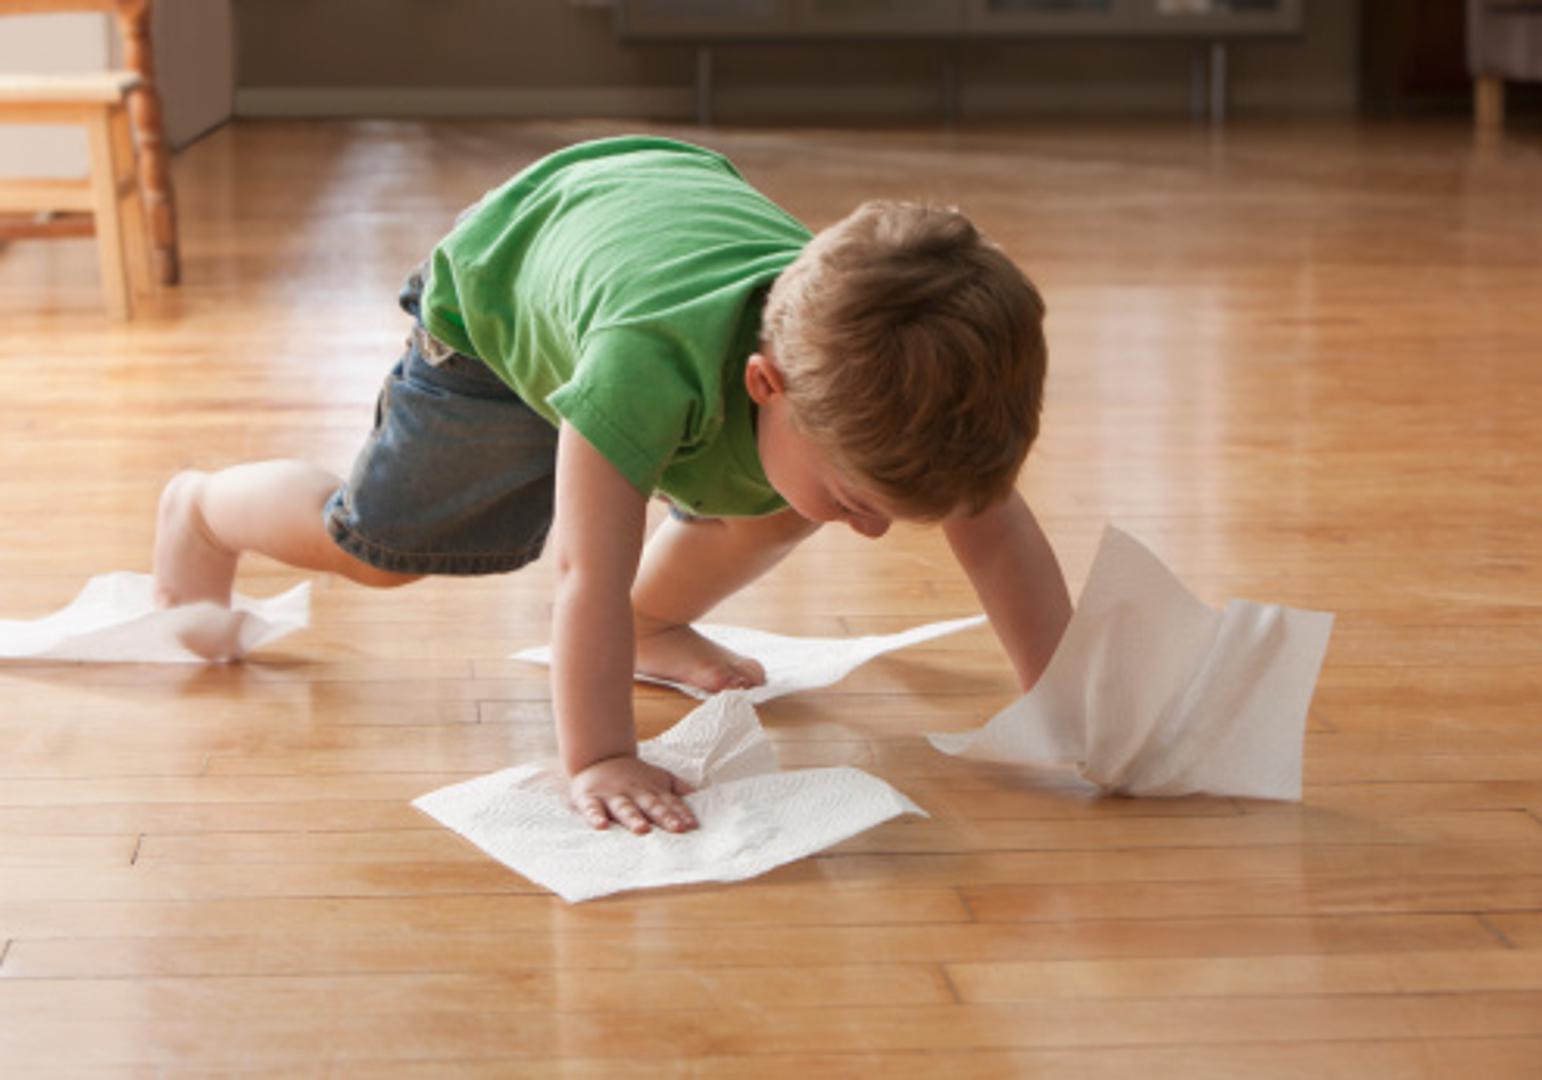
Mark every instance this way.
x=632 y=793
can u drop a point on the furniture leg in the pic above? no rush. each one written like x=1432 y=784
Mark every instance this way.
x=1489 y=102
x=150 y=129
x=131 y=203
x=105 y=187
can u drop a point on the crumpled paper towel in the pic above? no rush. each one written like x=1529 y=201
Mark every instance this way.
x=753 y=817
x=1152 y=693
x=115 y=619
x=795 y=663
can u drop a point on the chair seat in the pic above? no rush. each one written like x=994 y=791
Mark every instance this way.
x=107 y=87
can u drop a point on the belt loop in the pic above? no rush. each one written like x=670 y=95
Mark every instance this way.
x=433 y=351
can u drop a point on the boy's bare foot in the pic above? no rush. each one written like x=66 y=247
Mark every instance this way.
x=680 y=654
x=189 y=565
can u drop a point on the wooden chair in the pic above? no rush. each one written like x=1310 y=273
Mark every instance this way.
x=127 y=201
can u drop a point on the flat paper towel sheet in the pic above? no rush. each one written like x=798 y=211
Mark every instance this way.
x=1152 y=693
x=115 y=619
x=753 y=817
x=796 y=663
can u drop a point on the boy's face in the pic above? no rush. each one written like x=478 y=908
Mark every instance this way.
x=800 y=471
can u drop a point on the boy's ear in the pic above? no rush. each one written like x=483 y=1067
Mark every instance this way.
x=762 y=378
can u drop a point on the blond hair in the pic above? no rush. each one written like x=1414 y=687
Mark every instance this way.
x=912 y=350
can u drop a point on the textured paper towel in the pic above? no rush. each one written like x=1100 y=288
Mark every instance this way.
x=115 y=618
x=796 y=663
x=753 y=817
x=1152 y=693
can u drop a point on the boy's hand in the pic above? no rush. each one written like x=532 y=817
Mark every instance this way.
x=632 y=793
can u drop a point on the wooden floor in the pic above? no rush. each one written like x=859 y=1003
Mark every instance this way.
x=1302 y=362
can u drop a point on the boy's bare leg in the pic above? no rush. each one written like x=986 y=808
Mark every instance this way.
x=686 y=569
x=208 y=520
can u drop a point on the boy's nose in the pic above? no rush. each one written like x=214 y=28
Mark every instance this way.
x=872 y=528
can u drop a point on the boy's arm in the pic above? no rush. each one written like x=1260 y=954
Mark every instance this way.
x=597 y=539
x=1018 y=579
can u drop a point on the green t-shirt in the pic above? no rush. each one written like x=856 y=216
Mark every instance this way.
x=618 y=285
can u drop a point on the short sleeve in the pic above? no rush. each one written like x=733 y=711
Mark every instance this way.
x=637 y=399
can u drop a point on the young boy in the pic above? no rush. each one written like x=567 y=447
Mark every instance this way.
x=627 y=317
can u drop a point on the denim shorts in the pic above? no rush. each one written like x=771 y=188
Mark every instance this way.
x=457 y=476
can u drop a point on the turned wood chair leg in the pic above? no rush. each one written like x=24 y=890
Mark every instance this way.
x=131 y=205
x=150 y=130
x=1489 y=102
x=106 y=204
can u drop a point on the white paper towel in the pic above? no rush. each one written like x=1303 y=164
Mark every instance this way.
x=115 y=618
x=753 y=817
x=795 y=663
x=1152 y=693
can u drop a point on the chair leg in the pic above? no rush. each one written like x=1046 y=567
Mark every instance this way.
x=109 y=223
x=150 y=128
x=1489 y=102
x=163 y=215
x=136 y=228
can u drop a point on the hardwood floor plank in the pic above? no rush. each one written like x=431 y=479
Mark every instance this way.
x=1502 y=1059
x=219 y=791
x=1280 y=896
x=1386 y=800
x=262 y=1039
x=175 y=855
x=398 y=904
x=42 y=849
x=530 y=990
x=171 y=818
x=1402 y=973
x=1289 y=825
x=130 y=945
x=1520 y=929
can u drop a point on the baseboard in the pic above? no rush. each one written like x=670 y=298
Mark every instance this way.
x=391 y=101
x=1154 y=98
x=750 y=102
